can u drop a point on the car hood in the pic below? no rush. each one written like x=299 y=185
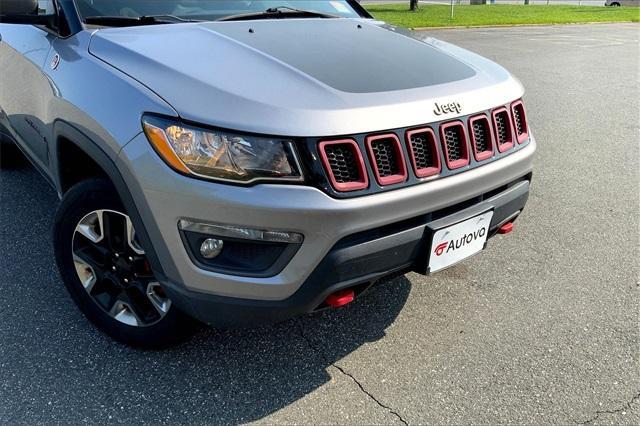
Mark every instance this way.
x=303 y=77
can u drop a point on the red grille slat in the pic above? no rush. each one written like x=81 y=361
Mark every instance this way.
x=344 y=164
x=519 y=117
x=387 y=159
x=454 y=144
x=481 y=136
x=503 y=129
x=423 y=152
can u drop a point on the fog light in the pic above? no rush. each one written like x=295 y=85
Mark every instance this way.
x=211 y=248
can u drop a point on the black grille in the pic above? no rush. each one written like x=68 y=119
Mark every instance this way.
x=367 y=163
x=422 y=147
x=386 y=157
x=481 y=135
x=454 y=140
x=342 y=161
x=503 y=133
x=519 y=121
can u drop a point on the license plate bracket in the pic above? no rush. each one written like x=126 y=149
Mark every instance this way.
x=455 y=242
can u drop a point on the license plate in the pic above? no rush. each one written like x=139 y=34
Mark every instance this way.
x=457 y=242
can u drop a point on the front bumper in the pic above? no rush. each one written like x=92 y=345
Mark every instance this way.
x=164 y=197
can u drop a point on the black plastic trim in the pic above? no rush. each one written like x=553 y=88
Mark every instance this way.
x=70 y=13
x=360 y=9
x=284 y=256
x=85 y=144
x=7 y=137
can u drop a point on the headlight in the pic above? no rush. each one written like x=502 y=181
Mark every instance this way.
x=227 y=156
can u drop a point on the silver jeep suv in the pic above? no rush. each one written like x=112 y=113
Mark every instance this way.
x=242 y=162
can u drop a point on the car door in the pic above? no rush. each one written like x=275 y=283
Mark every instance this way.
x=23 y=52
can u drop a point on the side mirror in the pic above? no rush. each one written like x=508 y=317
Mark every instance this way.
x=32 y=12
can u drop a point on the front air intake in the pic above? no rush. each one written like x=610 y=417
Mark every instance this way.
x=520 y=121
x=378 y=161
x=423 y=151
x=454 y=144
x=503 y=129
x=481 y=137
x=387 y=159
x=344 y=165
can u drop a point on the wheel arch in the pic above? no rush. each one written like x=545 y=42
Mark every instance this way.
x=71 y=144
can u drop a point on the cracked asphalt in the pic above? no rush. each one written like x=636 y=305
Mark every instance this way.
x=541 y=328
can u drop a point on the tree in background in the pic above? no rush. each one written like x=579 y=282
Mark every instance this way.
x=413 y=5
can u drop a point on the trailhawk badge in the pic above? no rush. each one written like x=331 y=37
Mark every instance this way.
x=457 y=242
x=449 y=108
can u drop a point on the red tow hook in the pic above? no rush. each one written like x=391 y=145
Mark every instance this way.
x=506 y=228
x=340 y=298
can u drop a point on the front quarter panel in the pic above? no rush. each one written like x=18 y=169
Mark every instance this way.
x=99 y=101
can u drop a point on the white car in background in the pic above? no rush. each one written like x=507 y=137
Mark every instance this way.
x=617 y=3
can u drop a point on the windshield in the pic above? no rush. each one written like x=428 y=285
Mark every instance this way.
x=209 y=10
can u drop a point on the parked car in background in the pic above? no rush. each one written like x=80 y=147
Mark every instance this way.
x=244 y=162
x=618 y=3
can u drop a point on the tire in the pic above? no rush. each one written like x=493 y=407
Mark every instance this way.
x=96 y=250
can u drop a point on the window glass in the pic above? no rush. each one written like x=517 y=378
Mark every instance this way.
x=205 y=9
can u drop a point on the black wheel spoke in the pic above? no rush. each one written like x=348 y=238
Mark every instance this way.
x=141 y=304
x=142 y=269
x=94 y=255
x=106 y=293
x=89 y=263
x=115 y=231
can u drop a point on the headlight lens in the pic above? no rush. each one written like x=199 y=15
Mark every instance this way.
x=222 y=155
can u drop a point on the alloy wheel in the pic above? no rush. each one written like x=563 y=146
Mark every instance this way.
x=114 y=271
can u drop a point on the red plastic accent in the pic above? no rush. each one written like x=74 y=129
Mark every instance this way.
x=431 y=139
x=363 y=183
x=402 y=165
x=522 y=138
x=509 y=144
x=340 y=298
x=506 y=228
x=480 y=156
x=464 y=161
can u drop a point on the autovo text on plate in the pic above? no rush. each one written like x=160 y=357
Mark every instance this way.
x=454 y=243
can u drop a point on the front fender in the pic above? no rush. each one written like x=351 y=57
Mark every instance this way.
x=99 y=101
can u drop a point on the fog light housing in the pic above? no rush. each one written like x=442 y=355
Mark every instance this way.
x=211 y=248
x=236 y=250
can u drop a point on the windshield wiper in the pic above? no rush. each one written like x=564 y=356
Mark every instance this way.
x=279 y=12
x=126 y=21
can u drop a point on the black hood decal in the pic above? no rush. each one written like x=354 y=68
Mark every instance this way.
x=350 y=56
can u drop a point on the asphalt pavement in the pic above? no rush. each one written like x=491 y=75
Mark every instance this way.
x=543 y=327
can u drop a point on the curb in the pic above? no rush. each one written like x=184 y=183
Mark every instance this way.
x=454 y=27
